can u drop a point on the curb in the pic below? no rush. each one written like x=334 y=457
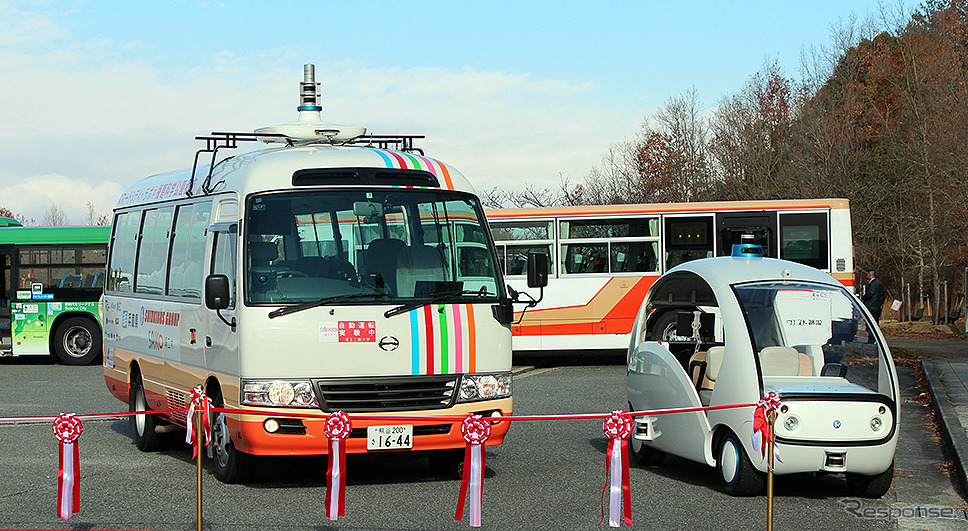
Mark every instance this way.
x=948 y=420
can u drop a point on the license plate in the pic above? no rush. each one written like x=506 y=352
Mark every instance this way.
x=389 y=437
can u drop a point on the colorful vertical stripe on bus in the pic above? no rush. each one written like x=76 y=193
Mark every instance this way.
x=408 y=161
x=443 y=339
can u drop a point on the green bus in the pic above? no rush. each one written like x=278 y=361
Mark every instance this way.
x=52 y=280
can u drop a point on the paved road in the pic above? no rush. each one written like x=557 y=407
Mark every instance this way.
x=929 y=348
x=549 y=475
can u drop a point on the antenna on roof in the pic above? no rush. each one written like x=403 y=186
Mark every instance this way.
x=309 y=125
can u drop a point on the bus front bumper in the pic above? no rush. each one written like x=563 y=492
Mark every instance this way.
x=306 y=436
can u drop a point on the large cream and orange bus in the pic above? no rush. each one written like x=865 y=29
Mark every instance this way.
x=605 y=258
x=320 y=273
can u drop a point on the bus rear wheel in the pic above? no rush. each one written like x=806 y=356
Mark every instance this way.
x=77 y=341
x=145 y=436
x=229 y=464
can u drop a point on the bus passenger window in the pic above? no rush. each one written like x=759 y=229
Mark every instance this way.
x=803 y=239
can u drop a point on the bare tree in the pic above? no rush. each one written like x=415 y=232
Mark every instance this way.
x=54 y=217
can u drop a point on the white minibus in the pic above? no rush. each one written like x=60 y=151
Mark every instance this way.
x=321 y=273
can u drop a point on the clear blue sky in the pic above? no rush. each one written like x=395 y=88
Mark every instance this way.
x=98 y=94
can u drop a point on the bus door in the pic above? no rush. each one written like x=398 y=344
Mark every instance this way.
x=687 y=238
x=731 y=226
x=219 y=341
x=8 y=293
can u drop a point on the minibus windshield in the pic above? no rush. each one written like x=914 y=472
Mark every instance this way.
x=804 y=329
x=391 y=246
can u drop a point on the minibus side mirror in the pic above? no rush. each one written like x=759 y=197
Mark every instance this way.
x=537 y=278
x=217 y=292
x=537 y=270
x=217 y=296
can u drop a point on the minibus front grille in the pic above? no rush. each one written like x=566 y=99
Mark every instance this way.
x=406 y=393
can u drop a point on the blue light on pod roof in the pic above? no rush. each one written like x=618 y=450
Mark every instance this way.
x=747 y=250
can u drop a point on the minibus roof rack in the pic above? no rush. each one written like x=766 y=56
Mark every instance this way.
x=213 y=143
x=230 y=140
x=395 y=142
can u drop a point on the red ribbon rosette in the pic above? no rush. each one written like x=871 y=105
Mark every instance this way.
x=475 y=430
x=761 y=424
x=199 y=400
x=67 y=428
x=337 y=428
x=618 y=428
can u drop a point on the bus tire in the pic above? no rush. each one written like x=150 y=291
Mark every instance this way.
x=77 y=341
x=448 y=462
x=145 y=436
x=229 y=464
x=736 y=473
x=871 y=486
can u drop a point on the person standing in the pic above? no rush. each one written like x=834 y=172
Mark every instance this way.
x=874 y=296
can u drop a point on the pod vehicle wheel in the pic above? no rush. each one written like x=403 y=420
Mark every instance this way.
x=871 y=486
x=642 y=454
x=230 y=465
x=145 y=436
x=77 y=341
x=736 y=472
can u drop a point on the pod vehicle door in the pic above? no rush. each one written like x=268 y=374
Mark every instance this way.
x=730 y=330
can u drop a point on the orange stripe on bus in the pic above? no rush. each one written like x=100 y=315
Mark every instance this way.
x=447 y=179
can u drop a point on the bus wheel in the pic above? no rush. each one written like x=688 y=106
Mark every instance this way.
x=77 y=341
x=145 y=436
x=448 y=462
x=871 y=486
x=230 y=465
x=736 y=472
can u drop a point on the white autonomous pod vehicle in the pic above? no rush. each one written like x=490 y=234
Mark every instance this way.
x=730 y=330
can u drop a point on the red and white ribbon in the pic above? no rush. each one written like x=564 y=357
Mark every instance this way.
x=338 y=427
x=761 y=424
x=618 y=428
x=67 y=428
x=199 y=400
x=476 y=430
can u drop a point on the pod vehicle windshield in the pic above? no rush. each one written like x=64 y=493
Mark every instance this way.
x=730 y=330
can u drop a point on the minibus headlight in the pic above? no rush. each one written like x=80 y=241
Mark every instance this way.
x=281 y=393
x=484 y=386
x=303 y=394
x=791 y=423
x=876 y=424
x=290 y=393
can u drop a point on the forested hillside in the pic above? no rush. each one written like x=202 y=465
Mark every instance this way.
x=880 y=116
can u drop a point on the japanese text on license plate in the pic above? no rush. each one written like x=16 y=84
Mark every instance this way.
x=389 y=437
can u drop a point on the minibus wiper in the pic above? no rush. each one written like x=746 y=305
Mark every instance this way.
x=325 y=300
x=436 y=297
